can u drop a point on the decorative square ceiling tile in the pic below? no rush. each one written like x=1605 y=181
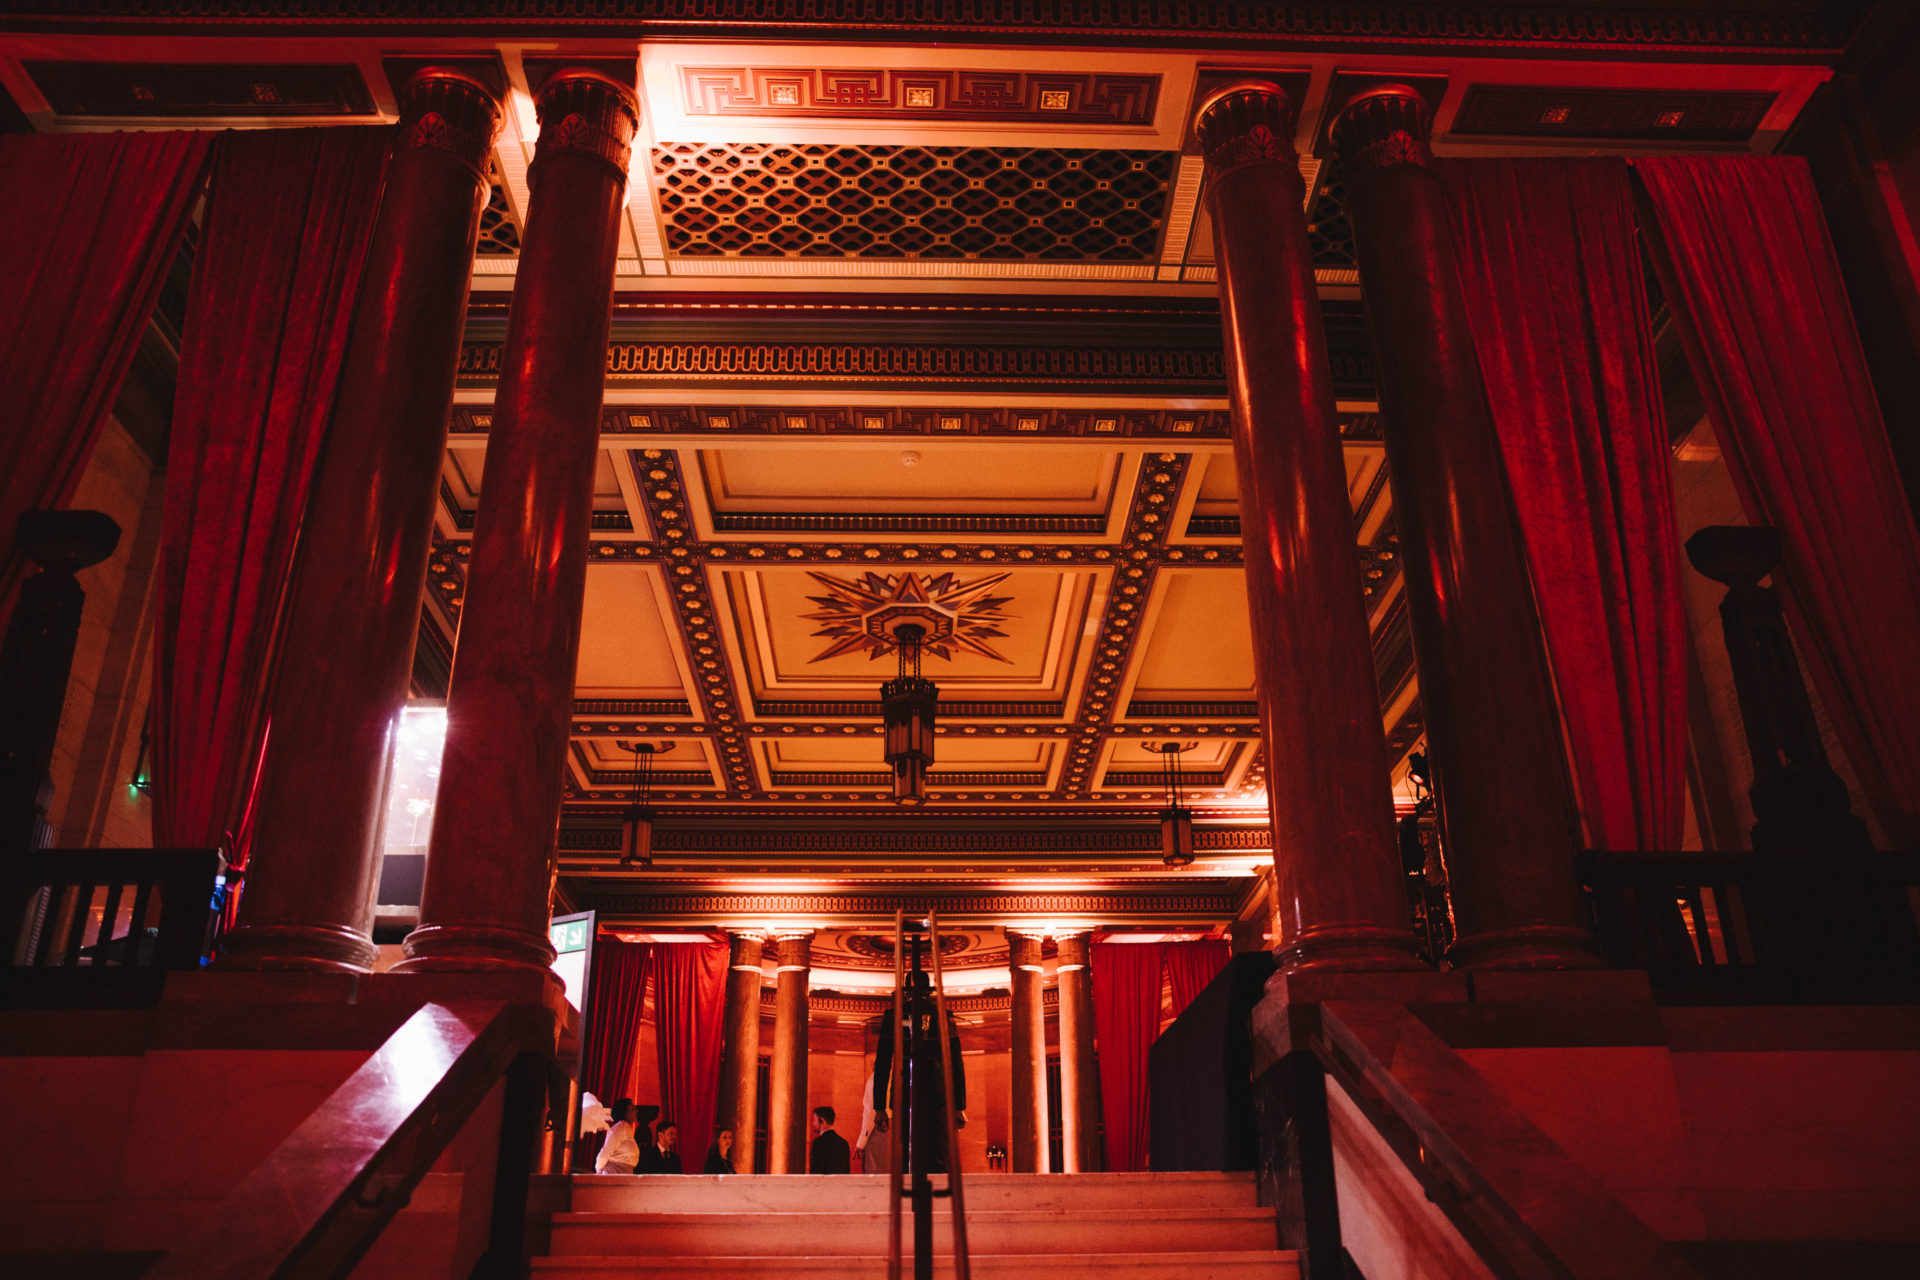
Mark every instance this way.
x=1198 y=644
x=805 y=490
x=1042 y=625
x=629 y=648
x=856 y=761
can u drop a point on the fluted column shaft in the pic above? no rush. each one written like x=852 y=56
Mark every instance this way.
x=1493 y=732
x=1027 y=1145
x=740 y=1054
x=787 y=1076
x=1336 y=865
x=1079 y=1083
x=354 y=610
x=509 y=711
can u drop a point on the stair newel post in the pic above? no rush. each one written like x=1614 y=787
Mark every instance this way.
x=896 y=1132
x=962 y=1266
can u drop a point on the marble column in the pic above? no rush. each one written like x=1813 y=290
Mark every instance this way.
x=740 y=1055
x=1493 y=731
x=1027 y=1147
x=1336 y=864
x=510 y=708
x=1079 y=1082
x=787 y=1108
x=354 y=610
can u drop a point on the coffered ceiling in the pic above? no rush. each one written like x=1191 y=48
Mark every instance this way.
x=937 y=308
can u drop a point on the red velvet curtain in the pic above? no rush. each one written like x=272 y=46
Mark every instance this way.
x=88 y=232
x=689 y=1012
x=289 y=214
x=617 y=991
x=1750 y=274
x=1552 y=276
x=1191 y=966
x=1126 y=1019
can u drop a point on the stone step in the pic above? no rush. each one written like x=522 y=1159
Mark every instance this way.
x=1264 y=1264
x=854 y=1234
x=797 y=1193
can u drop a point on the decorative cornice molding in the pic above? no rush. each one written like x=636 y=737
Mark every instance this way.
x=1806 y=30
x=920 y=93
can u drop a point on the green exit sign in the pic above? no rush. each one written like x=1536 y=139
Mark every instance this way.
x=569 y=936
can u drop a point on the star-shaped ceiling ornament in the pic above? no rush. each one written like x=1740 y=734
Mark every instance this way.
x=867 y=613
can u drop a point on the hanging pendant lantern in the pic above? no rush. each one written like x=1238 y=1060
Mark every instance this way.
x=1176 y=820
x=907 y=704
x=636 y=829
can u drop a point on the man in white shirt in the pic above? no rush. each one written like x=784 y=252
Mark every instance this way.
x=621 y=1150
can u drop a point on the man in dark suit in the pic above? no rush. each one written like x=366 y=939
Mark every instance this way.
x=662 y=1155
x=830 y=1153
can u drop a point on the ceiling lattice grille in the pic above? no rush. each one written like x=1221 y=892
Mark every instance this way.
x=758 y=200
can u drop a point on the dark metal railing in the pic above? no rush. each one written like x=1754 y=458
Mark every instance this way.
x=101 y=928
x=909 y=1148
x=1761 y=927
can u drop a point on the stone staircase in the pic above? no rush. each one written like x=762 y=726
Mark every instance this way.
x=1114 y=1226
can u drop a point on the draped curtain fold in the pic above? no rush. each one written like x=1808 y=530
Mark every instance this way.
x=1126 y=1019
x=288 y=219
x=617 y=992
x=1191 y=966
x=88 y=233
x=1552 y=276
x=689 y=1011
x=1749 y=271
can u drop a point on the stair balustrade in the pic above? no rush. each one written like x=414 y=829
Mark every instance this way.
x=314 y=1206
x=101 y=928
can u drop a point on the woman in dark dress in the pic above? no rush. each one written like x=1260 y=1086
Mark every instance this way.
x=720 y=1154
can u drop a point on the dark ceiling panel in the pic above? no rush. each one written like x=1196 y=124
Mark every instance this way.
x=1617 y=115
x=191 y=89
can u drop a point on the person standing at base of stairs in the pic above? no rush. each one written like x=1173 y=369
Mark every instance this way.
x=829 y=1153
x=874 y=1156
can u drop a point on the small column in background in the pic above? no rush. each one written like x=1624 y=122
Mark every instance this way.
x=1079 y=1079
x=1027 y=1151
x=787 y=1078
x=740 y=1053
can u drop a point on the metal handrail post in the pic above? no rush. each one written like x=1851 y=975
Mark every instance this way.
x=894 y=1143
x=957 y=1201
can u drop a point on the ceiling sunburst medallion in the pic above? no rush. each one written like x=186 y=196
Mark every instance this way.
x=867 y=613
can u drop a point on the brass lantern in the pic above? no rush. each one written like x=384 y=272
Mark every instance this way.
x=1176 y=820
x=636 y=829
x=907 y=704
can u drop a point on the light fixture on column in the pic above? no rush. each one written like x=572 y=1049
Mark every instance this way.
x=636 y=829
x=1176 y=820
x=907 y=704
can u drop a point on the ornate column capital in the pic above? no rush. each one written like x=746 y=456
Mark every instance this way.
x=1381 y=127
x=585 y=111
x=744 y=949
x=1249 y=123
x=1074 y=950
x=449 y=111
x=1023 y=949
x=793 y=950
